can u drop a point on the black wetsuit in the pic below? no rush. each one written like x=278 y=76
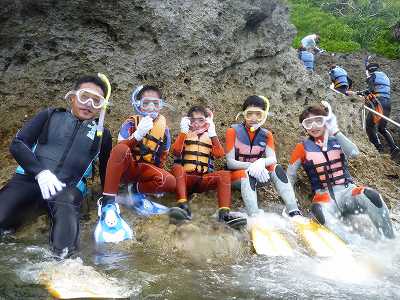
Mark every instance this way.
x=371 y=128
x=54 y=140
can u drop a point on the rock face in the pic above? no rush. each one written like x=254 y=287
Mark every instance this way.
x=210 y=52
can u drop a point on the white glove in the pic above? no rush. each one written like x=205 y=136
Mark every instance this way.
x=144 y=126
x=331 y=125
x=49 y=184
x=211 y=129
x=258 y=171
x=185 y=123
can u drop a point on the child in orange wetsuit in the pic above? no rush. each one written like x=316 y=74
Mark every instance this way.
x=143 y=146
x=194 y=150
x=250 y=154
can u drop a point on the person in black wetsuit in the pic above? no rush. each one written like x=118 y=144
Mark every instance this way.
x=379 y=87
x=56 y=151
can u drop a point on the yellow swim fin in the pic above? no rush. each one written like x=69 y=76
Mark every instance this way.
x=319 y=240
x=269 y=241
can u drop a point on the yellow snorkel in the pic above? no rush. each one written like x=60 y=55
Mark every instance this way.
x=100 y=126
x=264 y=118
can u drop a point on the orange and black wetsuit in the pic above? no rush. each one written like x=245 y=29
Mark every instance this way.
x=193 y=168
x=137 y=162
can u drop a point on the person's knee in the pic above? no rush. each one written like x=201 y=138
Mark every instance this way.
x=178 y=170
x=119 y=153
x=281 y=174
x=165 y=182
x=374 y=197
x=318 y=213
x=69 y=196
x=224 y=176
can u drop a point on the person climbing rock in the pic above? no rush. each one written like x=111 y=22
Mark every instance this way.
x=195 y=150
x=340 y=80
x=323 y=156
x=307 y=57
x=310 y=43
x=379 y=90
x=143 y=145
x=56 y=150
x=250 y=155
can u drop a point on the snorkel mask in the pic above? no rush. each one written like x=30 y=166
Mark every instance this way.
x=257 y=113
x=314 y=122
x=85 y=96
x=319 y=122
x=146 y=106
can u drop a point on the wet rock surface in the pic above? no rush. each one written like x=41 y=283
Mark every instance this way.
x=214 y=53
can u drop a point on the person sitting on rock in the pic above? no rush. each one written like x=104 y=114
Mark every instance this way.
x=143 y=146
x=379 y=87
x=195 y=150
x=307 y=57
x=310 y=43
x=323 y=156
x=55 y=151
x=250 y=154
x=341 y=82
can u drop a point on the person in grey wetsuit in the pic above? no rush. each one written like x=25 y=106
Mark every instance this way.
x=250 y=155
x=325 y=162
x=56 y=151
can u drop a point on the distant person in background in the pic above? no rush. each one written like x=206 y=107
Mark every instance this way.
x=341 y=82
x=307 y=57
x=310 y=42
x=379 y=88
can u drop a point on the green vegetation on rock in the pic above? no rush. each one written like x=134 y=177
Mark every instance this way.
x=349 y=25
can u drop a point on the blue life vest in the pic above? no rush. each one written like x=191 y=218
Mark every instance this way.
x=339 y=77
x=308 y=59
x=246 y=150
x=381 y=85
x=325 y=168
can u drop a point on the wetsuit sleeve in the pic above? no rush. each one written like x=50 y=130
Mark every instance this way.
x=125 y=134
x=349 y=148
x=331 y=75
x=25 y=140
x=177 y=147
x=270 y=156
x=167 y=147
x=231 y=162
x=371 y=83
x=296 y=159
x=106 y=146
x=217 y=149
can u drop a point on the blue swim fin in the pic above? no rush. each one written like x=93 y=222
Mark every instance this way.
x=111 y=228
x=143 y=206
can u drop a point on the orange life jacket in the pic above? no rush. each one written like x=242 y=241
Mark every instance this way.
x=149 y=149
x=196 y=156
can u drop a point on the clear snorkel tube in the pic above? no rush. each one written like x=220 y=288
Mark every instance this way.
x=263 y=120
x=100 y=126
x=326 y=134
